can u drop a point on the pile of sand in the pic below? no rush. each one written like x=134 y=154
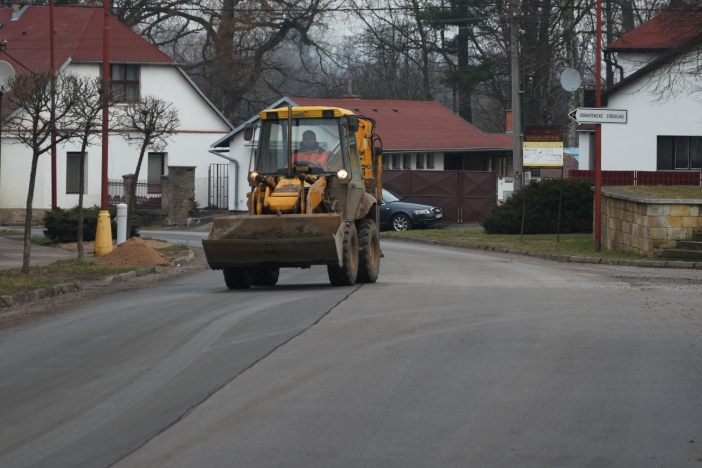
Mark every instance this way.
x=134 y=252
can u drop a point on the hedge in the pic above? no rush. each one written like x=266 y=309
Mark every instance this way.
x=542 y=209
x=62 y=225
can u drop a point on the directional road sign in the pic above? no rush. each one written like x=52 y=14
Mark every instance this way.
x=591 y=115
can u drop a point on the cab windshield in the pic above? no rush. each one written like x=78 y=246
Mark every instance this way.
x=315 y=144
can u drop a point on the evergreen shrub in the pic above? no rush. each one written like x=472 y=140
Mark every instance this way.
x=542 y=209
x=62 y=225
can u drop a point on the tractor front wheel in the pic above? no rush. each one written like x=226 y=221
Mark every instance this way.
x=345 y=274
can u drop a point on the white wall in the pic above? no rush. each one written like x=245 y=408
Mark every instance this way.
x=240 y=150
x=633 y=146
x=632 y=61
x=586 y=143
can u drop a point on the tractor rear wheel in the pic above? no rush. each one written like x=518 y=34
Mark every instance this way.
x=345 y=275
x=368 y=251
x=238 y=277
x=266 y=276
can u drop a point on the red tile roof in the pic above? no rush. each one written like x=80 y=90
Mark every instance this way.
x=78 y=35
x=667 y=30
x=418 y=125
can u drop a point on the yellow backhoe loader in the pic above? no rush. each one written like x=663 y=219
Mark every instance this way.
x=316 y=183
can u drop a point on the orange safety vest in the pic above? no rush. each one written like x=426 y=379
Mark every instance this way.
x=315 y=156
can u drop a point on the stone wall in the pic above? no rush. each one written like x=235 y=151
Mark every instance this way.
x=16 y=216
x=645 y=224
x=178 y=194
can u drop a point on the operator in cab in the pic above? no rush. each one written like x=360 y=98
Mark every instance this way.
x=310 y=151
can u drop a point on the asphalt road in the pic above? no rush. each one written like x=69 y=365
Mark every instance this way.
x=451 y=359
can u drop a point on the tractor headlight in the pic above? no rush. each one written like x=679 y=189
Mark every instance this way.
x=342 y=174
x=252 y=178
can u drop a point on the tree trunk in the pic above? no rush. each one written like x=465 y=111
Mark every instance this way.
x=28 y=215
x=81 y=189
x=464 y=99
x=132 y=203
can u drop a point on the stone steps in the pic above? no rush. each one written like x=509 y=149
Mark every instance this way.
x=686 y=249
x=683 y=254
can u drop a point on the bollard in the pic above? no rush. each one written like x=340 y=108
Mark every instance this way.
x=121 y=223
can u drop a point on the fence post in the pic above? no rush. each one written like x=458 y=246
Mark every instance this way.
x=127 y=187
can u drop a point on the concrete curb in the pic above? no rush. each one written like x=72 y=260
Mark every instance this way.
x=65 y=288
x=553 y=257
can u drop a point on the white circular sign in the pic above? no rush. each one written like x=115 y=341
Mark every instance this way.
x=570 y=79
x=6 y=72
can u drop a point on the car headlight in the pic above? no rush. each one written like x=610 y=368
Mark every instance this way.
x=422 y=212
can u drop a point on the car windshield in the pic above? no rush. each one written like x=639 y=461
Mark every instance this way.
x=314 y=141
x=389 y=197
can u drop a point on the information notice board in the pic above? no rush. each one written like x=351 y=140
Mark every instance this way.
x=543 y=146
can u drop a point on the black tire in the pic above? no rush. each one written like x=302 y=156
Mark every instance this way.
x=368 y=251
x=238 y=277
x=266 y=276
x=400 y=222
x=345 y=275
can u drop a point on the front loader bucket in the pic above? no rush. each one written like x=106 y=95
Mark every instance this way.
x=276 y=240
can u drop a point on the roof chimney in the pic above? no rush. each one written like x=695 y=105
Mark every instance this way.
x=508 y=121
x=351 y=96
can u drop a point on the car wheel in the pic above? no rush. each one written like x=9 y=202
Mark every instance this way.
x=401 y=223
x=368 y=251
x=345 y=274
x=237 y=277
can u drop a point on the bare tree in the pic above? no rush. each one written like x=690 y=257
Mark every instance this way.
x=146 y=124
x=30 y=124
x=92 y=98
x=229 y=45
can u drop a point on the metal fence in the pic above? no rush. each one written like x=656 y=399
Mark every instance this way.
x=693 y=178
x=218 y=186
x=148 y=194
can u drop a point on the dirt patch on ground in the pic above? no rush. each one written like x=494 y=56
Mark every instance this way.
x=89 y=247
x=134 y=252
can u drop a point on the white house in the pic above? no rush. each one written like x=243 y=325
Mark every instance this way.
x=661 y=134
x=139 y=68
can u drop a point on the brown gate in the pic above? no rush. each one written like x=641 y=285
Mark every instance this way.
x=464 y=196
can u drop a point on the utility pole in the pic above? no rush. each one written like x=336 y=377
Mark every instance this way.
x=103 y=236
x=516 y=101
x=54 y=202
x=598 y=131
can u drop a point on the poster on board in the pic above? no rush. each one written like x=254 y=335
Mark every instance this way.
x=543 y=153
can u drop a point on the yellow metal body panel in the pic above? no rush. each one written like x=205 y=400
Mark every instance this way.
x=304 y=112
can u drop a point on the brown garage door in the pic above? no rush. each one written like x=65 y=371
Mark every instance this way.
x=464 y=196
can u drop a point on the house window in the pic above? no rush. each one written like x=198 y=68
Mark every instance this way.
x=420 y=160
x=73 y=173
x=125 y=82
x=430 y=160
x=156 y=167
x=502 y=166
x=396 y=161
x=679 y=152
x=387 y=161
x=406 y=161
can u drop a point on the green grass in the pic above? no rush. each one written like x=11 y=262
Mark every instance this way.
x=581 y=245
x=42 y=240
x=677 y=191
x=62 y=271
x=154 y=227
x=10 y=232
